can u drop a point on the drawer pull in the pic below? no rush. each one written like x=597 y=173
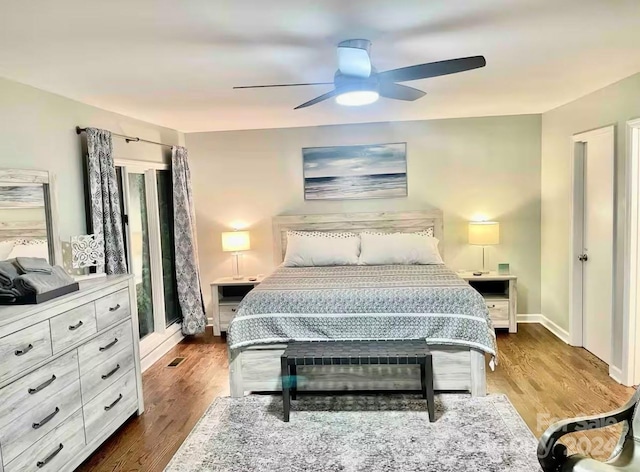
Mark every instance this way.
x=106 y=376
x=491 y=306
x=114 y=308
x=109 y=346
x=22 y=352
x=107 y=408
x=41 y=464
x=233 y=310
x=45 y=420
x=76 y=326
x=42 y=386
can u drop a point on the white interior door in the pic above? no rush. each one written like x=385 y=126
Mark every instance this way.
x=598 y=231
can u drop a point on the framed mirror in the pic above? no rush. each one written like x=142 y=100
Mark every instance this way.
x=28 y=215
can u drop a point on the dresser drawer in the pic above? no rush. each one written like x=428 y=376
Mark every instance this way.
x=23 y=349
x=112 y=308
x=103 y=347
x=40 y=385
x=117 y=400
x=227 y=312
x=54 y=450
x=73 y=326
x=498 y=309
x=42 y=418
x=100 y=377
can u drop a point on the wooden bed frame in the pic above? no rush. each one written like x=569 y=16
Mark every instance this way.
x=456 y=368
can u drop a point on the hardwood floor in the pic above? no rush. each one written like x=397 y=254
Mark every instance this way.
x=544 y=378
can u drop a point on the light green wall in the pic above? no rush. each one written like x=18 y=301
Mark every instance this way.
x=462 y=166
x=613 y=105
x=37 y=131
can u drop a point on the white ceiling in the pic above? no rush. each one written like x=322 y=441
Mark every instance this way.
x=173 y=62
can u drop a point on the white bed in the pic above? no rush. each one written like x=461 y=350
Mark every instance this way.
x=456 y=368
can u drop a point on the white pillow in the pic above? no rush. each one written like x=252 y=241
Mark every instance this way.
x=318 y=248
x=5 y=249
x=398 y=248
x=29 y=248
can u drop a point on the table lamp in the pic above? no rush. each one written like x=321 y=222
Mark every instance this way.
x=484 y=233
x=235 y=242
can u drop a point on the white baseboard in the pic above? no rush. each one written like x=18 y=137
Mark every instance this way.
x=560 y=333
x=151 y=358
x=615 y=373
x=529 y=318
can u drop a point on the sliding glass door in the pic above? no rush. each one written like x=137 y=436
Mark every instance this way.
x=146 y=191
x=139 y=259
x=165 y=212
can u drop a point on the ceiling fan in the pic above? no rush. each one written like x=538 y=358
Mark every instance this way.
x=357 y=82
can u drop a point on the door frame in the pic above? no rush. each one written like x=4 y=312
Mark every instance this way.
x=630 y=368
x=163 y=337
x=576 y=328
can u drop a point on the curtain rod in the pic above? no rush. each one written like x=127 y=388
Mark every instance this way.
x=128 y=139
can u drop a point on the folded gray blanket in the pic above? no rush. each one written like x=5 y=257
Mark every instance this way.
x=8 y=273
x=41 y=282
x=32 y=264
x=9 y=294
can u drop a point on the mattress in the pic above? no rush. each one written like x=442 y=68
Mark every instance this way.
x=364 y=303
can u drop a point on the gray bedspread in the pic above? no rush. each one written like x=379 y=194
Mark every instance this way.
x=364 y=302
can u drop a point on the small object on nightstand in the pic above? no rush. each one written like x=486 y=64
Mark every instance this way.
x=503 y=269
x=226 y=295
x=477 y=274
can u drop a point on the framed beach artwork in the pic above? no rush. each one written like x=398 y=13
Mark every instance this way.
x=355 y=172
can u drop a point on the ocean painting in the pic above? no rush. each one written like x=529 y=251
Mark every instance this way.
x=355 y=172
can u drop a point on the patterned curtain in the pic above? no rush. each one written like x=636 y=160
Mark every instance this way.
x=184 y=228
x=106 y=219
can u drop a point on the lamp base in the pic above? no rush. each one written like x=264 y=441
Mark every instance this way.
x=236 y=267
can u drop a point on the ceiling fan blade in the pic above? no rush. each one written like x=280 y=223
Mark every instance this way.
x=433 y=69
x=399 y=92
x=282 y=85
x=353 y=58
x=319 y=99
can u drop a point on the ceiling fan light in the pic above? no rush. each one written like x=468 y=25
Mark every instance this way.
x=357 y=98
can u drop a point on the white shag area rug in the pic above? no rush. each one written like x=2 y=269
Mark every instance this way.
x=360 y=433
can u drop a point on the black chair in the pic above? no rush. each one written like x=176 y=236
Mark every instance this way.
x=625 y=457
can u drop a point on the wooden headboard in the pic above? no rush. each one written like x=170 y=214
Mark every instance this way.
x=23 y=230
x=386 y=221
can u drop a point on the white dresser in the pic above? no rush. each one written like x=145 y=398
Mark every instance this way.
x=69 y=375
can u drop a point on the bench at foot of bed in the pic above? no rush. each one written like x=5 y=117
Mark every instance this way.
x=258 y=369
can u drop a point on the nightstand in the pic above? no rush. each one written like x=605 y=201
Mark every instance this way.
x=501 y=295
x=226 y=295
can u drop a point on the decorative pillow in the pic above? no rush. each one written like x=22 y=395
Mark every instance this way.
x=427 y=232
x=399 y=248
x=318 y=248
x=5 y=249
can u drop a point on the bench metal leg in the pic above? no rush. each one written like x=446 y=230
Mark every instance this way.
x=427 y=386
x=286 y=382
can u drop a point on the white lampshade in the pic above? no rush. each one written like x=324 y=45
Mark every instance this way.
x=234 y=241
x=484 y=233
